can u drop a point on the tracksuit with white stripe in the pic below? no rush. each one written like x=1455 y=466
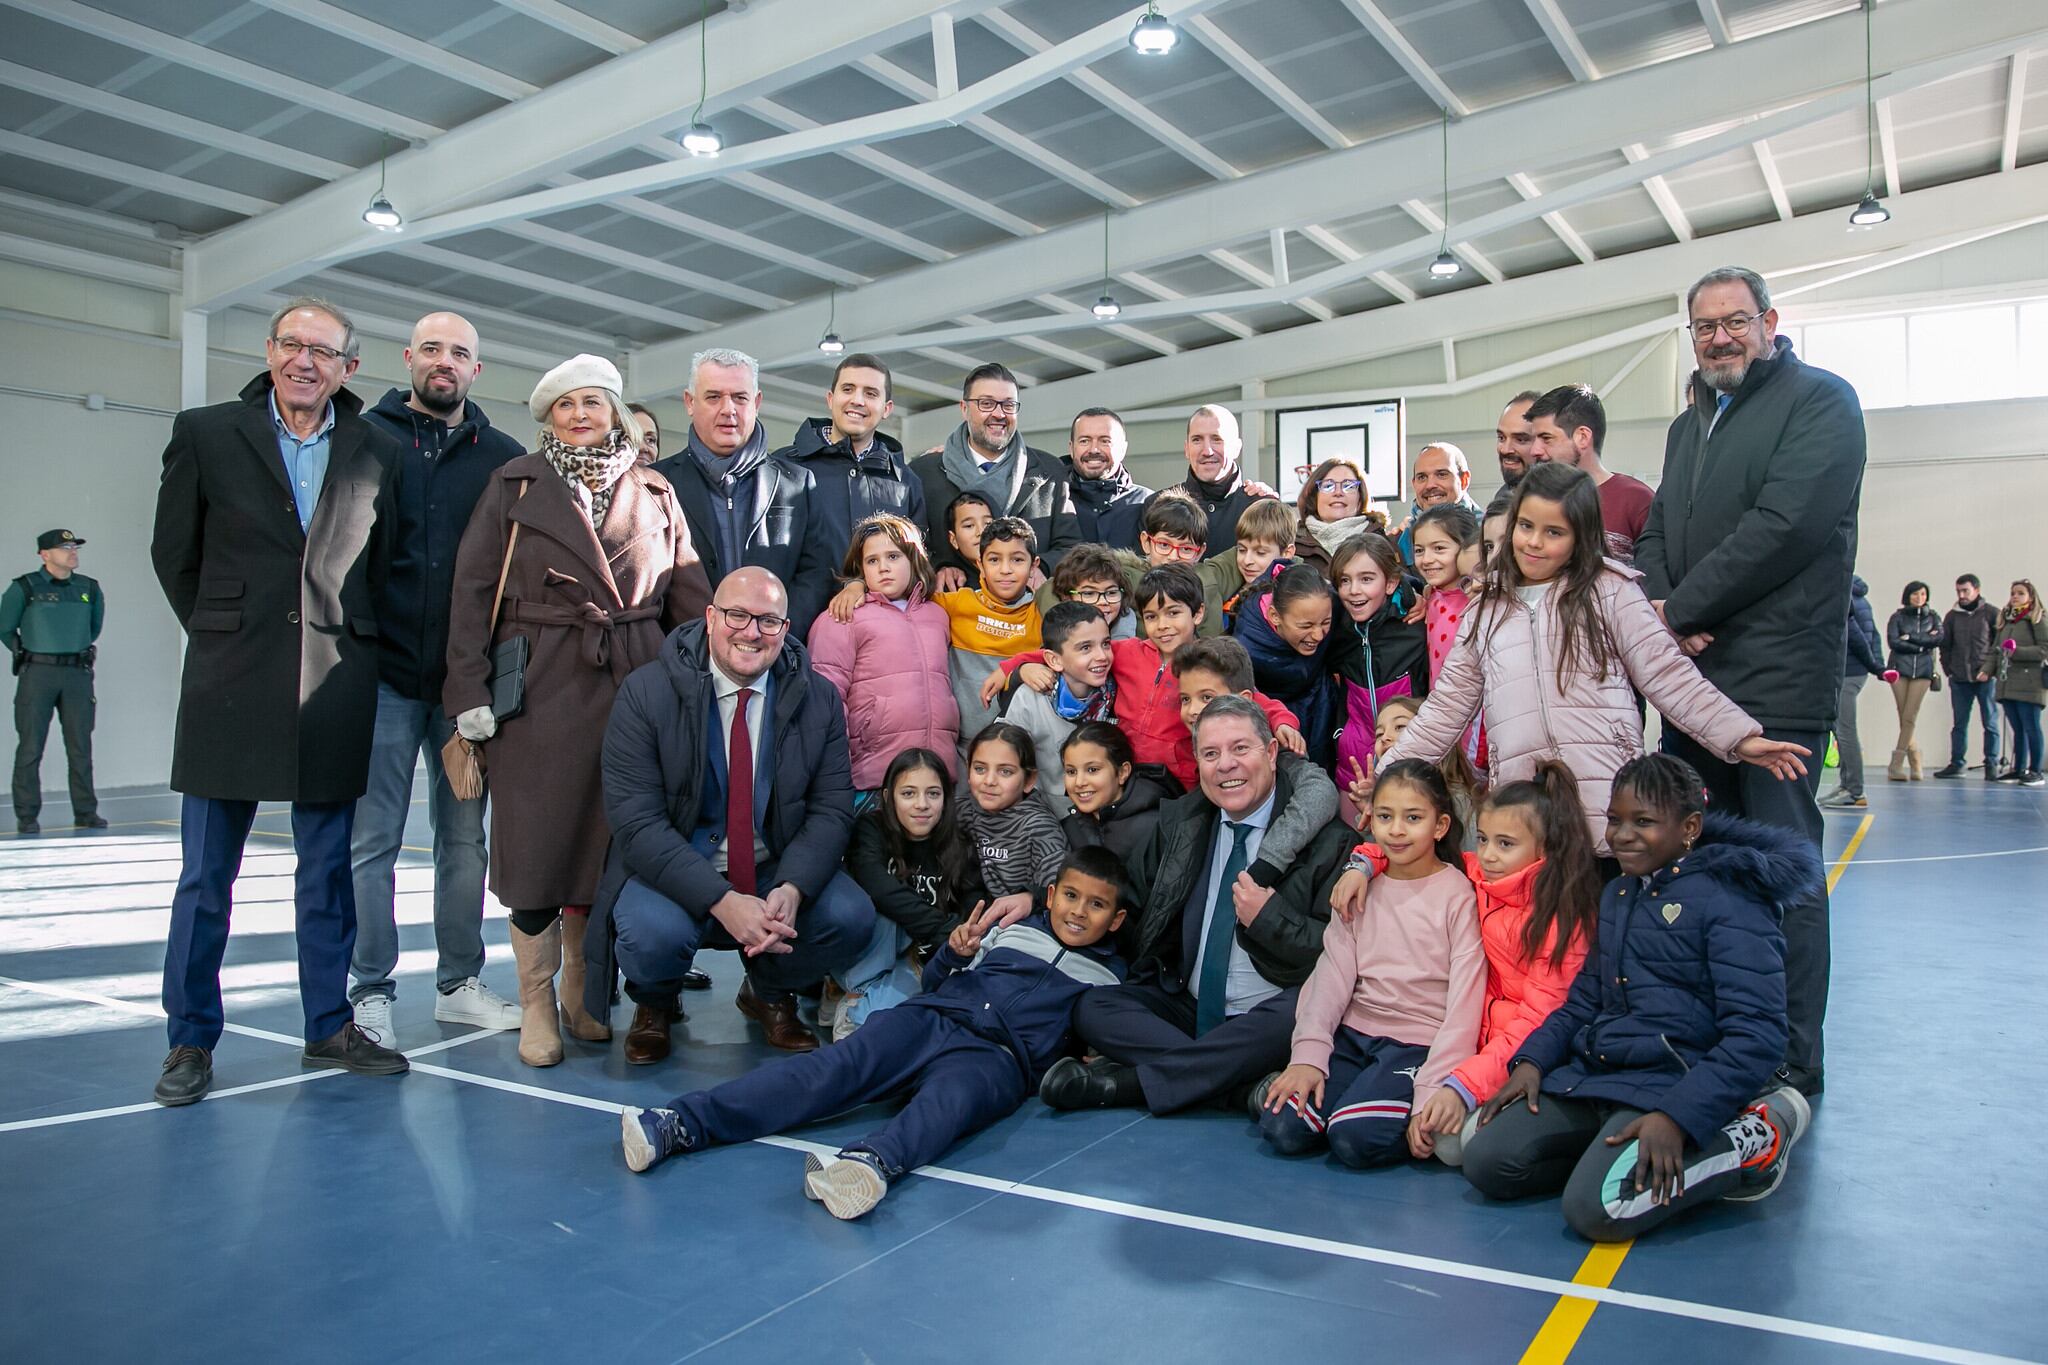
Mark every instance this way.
x=1391 y=1009
x=966 y=1053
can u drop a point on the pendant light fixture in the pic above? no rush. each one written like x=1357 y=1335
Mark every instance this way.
x=1153 y=35
x=1446 y=265
x=700 y=138
x=1106 y=307
x=1870 y=212
x=381 y=213
x=830 y=343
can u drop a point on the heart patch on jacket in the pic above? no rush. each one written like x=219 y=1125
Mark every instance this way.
x=1670 y=910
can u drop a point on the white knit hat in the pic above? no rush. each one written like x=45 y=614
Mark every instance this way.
x=577 y=372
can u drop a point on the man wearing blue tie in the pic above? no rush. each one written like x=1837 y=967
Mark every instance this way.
x=1219 y=958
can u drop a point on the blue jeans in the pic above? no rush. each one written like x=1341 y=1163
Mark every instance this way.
x=2025 y=719
x=405 y=728
x=213 y=833
x=881 y=977
x=1961 y=697
x=658 y=940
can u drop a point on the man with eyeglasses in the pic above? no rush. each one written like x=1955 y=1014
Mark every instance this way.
x=986 y=454
x=728 y=729
x=1106 y=499
x=1747 y=556
x=267 y=543
x=1213 y=445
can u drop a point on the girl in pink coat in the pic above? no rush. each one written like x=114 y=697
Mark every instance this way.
x=889 y=661
x=1548 y=655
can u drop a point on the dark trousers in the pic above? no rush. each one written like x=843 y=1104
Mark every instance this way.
x=1363 y=1118
x=63 y=690
x=658 y=940
x=958 y=1083
x=1961 y=697
x=213 y=833
x=1153 y=1029
x=1563 y=1146
x=1753 y=793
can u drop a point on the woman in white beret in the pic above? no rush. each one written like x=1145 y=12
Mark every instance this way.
x=601 y=569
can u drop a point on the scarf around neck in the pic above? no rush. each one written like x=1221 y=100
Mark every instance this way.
x=1213 y=492
x=1096 y=706
x=592 y=472
x=1331 y=534
x=1000 y=484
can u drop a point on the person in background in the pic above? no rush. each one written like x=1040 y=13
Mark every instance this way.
x=1332 y=510
x=447 y=452
x=2022 y=647
x=650 y=433
x=1215 y=478
x=1570 y=426
x=1513 y=438
x=1862 y=659
x=1101 y=577
x=1914 y=633
x=986 y=454
x=1106 y=499
x=859 y=468
x=1440 y=477
x=49 y=619
x=1966 y=635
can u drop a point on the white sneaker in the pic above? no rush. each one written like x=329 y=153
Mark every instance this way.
x=474 y=1003
x=373 y=1017
x=848 y=1186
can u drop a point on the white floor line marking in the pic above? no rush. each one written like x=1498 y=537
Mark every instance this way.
x=1510 y=1279
x=136 y=1007
x=299 y=1078
x=1950 y=857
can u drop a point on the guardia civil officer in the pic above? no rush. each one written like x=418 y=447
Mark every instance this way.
x=49 y=619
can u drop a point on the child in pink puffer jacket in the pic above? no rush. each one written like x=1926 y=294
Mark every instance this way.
x=889 y=661
x=1550 y=651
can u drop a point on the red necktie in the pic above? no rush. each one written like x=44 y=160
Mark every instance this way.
x=739 y=800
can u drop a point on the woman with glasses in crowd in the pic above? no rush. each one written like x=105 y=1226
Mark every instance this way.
x=596 y=567
x=1333 y=510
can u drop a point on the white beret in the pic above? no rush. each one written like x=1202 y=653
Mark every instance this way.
x=577 y=372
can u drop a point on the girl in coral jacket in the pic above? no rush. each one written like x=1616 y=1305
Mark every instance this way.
x=1551 y=649
x=889 y=661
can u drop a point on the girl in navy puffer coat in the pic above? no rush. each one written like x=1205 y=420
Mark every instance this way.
x=1650 y=1089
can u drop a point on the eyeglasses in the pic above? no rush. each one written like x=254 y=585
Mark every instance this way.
x=1007 y=406
x=1340 y=485
x=738 y=619
x=291 y=346
x=1096 y=597
x=1736 y=327
x=1174 y=549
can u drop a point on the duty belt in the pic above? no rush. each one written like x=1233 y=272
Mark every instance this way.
x=60 y=660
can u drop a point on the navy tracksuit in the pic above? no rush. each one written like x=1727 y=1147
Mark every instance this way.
x=968 y=1052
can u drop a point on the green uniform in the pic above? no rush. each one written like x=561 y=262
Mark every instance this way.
x=49 y=625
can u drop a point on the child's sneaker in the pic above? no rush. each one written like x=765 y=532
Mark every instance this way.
x=849 y=1185
x=650 y=1136
x=1765 y=1135
x=1256 y=1105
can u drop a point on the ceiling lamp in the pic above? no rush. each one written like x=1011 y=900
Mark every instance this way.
x=700 y=138
x=1870 y=212
x=1445 y=265
x=1153 y=36
x=830 y=343
x=381 y=213
x=1106 y=307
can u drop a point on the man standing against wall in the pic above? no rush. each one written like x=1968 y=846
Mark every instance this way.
x=266 y=545
x=49 y=619
x=1107 y=500
x=1966 y=635
x=1569 y=425
x=1746 y=556
x=447 y=451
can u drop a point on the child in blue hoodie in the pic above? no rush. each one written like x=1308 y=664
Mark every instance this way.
x=1651 y=1088
x=997 y=1011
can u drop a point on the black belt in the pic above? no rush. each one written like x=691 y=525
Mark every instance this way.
x=60 y=660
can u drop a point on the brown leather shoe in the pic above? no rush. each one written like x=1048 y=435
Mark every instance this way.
x=777 y=1018
x=647 y=1039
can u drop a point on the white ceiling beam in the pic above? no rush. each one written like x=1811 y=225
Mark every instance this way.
x=1634 y=362
x=1159 y=345
x=344 y=286
x=1259 y=75
x=1404 y=54
x=1065 y=355
x=642 y=264
x=1139 y=280
x=1557 y=127
x=574 y=22
x=550 y=286
x=408 y=48
x=1245 y=270
x=690 y=225
x=95 y=265
x=1942 y=215
x=1716 y=22
x=1558 y=30
x=1521 y=184
x=1342 y=250
x=586 y=117
x=945 y=59
x=1277 y=245
x=120 y=107
x=1888 y=149
x=1659 y=190
x=1463 y=250
x=130 y=174
x=2015 y=105
x=1450 y=350
x=1773 y=181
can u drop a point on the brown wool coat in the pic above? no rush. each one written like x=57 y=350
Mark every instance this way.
x=594 y=615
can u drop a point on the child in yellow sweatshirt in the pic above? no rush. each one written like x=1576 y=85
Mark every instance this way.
x=997 y=620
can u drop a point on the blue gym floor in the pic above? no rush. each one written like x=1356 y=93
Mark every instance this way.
x=478 y=1209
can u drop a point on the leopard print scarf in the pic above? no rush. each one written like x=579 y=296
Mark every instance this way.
x=591 y=471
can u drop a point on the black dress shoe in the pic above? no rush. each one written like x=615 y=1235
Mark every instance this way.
x=351 y=1049
x=647 y=1039
x=188 y=1075
x=27 y=827
x=694 y=980
x=1100 y=1084
x=93 y=822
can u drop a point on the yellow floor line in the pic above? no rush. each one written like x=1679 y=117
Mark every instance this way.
x=1568 y=1317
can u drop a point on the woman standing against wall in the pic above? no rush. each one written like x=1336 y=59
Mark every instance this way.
x=1914 y=634
x=2022 y=647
